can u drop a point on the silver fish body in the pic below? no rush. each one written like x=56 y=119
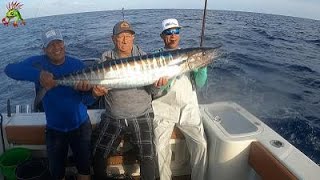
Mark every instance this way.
x=143 y=70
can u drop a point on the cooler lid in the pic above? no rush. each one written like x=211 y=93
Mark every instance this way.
x=232 y=119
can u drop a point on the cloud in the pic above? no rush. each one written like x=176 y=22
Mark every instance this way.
x=38 y=8
x=297 y=8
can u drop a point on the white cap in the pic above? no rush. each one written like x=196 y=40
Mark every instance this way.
x=170 y=23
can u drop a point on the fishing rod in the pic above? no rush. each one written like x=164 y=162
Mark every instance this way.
x=122 y=11
x=201 y=94
x=38 y=8
x=203 y=22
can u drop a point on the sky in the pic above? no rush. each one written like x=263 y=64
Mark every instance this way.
x=37 y=8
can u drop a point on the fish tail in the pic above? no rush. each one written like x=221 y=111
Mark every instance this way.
x=39 y=96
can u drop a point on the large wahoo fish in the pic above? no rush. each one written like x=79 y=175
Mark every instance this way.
x=139 y=71
x=142 y=70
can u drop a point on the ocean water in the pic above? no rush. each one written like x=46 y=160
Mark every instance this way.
x=271 y=64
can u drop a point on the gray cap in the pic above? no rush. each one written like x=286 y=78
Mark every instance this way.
x=121 y=27
x=50 y=35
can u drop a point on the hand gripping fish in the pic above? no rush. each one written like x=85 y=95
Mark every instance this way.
x=140 y=71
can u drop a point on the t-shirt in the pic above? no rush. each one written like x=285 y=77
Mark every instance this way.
x=127 y=103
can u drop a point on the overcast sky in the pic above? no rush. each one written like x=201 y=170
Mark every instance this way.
x=297 y=8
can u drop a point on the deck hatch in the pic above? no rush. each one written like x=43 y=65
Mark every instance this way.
x=232 y=119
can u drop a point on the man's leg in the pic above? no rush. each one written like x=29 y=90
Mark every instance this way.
x=141 y=129
x=162 y=134
x=109 y=130
x=80 y=143
x=192 y=128
x=57 y=151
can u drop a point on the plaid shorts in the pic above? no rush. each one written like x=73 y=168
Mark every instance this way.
x=141 y=130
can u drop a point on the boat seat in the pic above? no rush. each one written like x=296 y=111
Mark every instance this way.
x=266 y=165
x=123 y=158
x=35 y=134
x=26 y=135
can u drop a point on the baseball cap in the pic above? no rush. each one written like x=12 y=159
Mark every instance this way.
x=50 y=35
x=121 y=27
x=170 y=23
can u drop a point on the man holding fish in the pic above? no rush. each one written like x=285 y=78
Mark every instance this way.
x=68 y=123
x=127 y=109
x=178 y=107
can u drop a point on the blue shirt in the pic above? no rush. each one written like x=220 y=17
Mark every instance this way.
x=65 y=107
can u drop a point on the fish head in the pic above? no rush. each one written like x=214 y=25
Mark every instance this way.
x=200 y=57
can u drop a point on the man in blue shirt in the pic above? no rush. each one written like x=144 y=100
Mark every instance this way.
x=68 y=123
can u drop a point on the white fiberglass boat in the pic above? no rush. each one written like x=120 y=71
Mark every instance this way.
x=240 y=146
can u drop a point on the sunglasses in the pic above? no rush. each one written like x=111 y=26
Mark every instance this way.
x=171 y=31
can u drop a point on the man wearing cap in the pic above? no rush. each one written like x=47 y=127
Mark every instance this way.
x=126 y=110
x=65 y=108
x=178 y=106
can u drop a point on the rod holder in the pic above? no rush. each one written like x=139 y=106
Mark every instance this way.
x=8 y=108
